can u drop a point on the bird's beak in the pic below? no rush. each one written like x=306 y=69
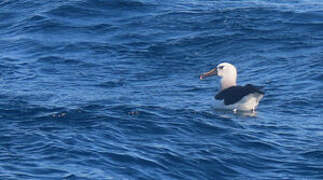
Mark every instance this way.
x=210 y=73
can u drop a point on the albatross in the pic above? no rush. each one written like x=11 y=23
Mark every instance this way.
x=232 y=96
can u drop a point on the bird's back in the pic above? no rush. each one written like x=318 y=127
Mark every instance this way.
x=235 y=94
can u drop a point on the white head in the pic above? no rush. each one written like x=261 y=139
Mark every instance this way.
x=227 y=72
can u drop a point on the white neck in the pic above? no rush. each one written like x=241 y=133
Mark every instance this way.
x=227 y=82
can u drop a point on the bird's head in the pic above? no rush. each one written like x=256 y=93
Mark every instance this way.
x=224 y=70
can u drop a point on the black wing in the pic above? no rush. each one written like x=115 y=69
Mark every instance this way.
x=234 y=94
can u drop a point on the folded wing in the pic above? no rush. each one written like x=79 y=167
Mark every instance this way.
x=234 y=94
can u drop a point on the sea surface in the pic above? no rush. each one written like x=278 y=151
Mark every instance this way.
x=110 y=89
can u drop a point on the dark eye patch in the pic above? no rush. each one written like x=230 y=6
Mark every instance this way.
x=221 y=67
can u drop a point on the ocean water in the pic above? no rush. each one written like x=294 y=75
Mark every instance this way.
x=110 y=89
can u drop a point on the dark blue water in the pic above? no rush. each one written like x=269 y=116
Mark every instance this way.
x=110 y=89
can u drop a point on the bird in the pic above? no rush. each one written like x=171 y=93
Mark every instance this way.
x=231 y=95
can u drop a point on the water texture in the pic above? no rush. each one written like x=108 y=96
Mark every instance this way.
x=97 y=89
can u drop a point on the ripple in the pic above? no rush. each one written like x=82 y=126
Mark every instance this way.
x=316 y=155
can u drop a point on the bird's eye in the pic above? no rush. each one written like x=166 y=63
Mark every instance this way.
x=221 y=67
